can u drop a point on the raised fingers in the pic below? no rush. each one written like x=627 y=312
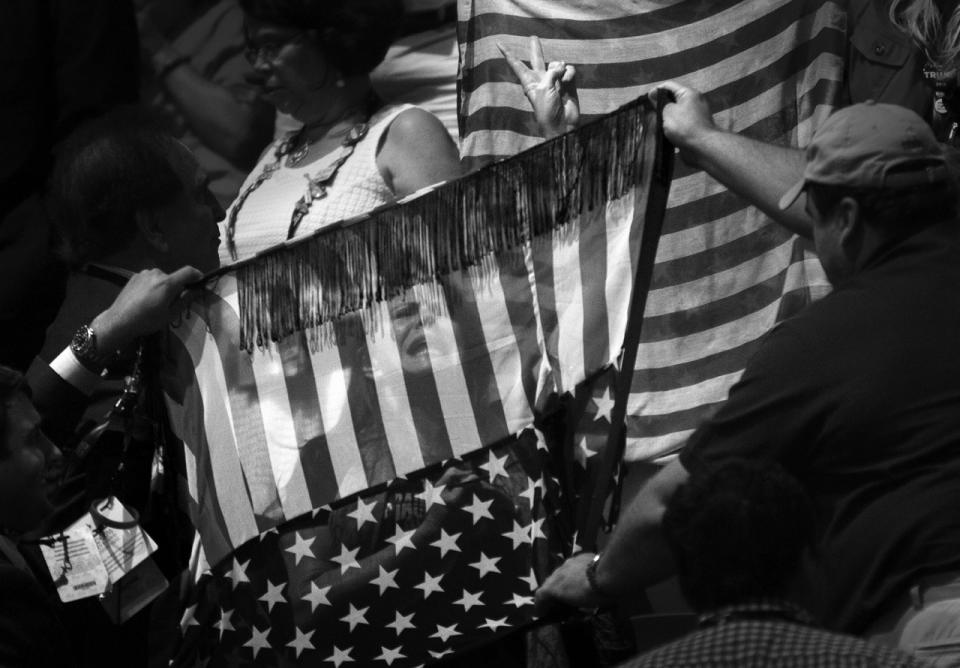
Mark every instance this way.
x=536 y=54
x=521 y=71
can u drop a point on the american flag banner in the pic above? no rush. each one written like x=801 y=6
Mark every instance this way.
x=366 y=385
x=724 y=273
x=418 y=571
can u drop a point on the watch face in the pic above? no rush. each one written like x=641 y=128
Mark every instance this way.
x=84 y=342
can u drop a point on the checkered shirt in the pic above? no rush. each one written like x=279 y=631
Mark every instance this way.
x=769 y=633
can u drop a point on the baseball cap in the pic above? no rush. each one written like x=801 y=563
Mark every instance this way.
x=871 y=145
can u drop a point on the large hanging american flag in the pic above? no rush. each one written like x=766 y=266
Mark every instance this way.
x=724 y=273
x=349 y=404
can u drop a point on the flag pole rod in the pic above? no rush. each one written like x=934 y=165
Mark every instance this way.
x=657 y=188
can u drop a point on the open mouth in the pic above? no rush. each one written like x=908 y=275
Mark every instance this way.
x=413 y=342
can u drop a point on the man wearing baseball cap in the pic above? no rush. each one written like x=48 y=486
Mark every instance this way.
x=881 y=158
x=858 y=396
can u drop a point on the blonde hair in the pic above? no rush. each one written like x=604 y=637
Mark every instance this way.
x=921 y=20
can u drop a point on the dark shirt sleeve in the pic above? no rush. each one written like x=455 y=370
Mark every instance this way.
x=773 y=411
x=60 y=404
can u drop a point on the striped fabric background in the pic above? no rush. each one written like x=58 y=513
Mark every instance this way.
x=725 y=274
x=290 y=428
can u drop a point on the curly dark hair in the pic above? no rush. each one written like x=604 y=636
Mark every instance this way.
x=107 y=172
x=354 y=35
x=737 y=532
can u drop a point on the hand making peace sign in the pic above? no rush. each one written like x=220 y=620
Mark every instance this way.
x=550 y=89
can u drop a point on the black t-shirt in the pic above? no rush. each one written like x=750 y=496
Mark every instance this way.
x=859 y=397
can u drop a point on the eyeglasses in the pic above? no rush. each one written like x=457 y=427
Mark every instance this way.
x=268 y=51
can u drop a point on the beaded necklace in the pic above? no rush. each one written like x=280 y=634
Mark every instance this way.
x=317 y=185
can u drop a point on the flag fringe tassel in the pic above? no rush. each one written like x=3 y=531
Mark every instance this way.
x=405 y=249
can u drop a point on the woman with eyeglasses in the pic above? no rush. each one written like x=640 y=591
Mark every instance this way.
x=312 y=59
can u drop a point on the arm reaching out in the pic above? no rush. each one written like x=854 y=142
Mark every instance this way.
x=636 y=556
x=757 y=171
x=148 y=301
x=550 y=88
x=229 y=118
x=62 y=387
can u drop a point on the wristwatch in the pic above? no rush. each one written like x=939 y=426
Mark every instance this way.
x=591 y=573
x=84 y=348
